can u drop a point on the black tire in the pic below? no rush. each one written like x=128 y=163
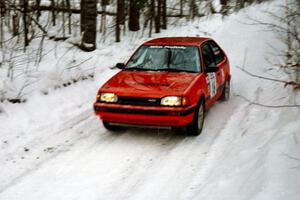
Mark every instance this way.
x=195 y=128
x=226 y=91
x=112 y=128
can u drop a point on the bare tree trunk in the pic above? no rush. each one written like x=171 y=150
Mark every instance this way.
x=158 y=16
x=164 y=14
x=134 y=16
x=119 y=18
x=152 y=14
x=39 y=54
x=104 y=3
x=193 y=9
x=15 y=24
x=126 y=12
x=117 y=30
x=224 y=7
x=69 y=17
x=121 y=12
x=2 y=12
x=82 y=15
x=38 y=14
x=240 y=4
x=53 y=13
x=103 y=20
x=211 y=7
x=25 y=23
x=88 y=24
x=63 y=19
x=181 y=8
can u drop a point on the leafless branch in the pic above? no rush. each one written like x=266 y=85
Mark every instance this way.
x=265 y=105
x=80 y=63
x=293 y=83
x=293 y=158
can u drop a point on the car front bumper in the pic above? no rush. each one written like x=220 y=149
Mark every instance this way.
x=144 y=115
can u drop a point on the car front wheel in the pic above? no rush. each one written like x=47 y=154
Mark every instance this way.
x=195 y=128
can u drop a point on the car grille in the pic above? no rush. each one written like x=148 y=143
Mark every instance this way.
x=139 y=101
x=143 y=112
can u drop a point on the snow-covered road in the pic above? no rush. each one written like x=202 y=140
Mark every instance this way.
x=231 y=159
x=138 y=163
x=53 y=147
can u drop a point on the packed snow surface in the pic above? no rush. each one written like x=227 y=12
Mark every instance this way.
x=53 y=147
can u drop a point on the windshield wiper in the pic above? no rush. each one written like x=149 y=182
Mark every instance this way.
x=139 y=68
x=175 y=70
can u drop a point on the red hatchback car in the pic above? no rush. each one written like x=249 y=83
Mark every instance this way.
x=167 y=82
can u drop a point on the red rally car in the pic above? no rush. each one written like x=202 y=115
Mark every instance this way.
x=167 y=82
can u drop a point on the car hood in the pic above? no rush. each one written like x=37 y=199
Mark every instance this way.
x=149 y=83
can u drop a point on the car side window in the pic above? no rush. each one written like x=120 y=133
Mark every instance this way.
x=218 y=53
x=207 y=54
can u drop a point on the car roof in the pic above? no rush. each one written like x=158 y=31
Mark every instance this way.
x=189 y=41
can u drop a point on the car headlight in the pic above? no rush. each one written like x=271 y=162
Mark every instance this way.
x=175 y=101
x=108 y=97
x=171 y=101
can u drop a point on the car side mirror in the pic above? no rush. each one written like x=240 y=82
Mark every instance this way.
x=212 y=68
x=120 y=65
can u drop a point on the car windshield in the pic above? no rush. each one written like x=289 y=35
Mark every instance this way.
x=165 y=58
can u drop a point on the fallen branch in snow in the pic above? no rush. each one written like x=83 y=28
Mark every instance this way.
x=293 y=158
x=265 y=105
x=286 y=83
x=80 y=63
x=65 y=53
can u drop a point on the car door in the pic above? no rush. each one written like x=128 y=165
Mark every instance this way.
x=211 y=78
x=221 y=62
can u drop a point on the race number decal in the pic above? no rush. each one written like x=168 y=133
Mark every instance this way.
x=211 y=84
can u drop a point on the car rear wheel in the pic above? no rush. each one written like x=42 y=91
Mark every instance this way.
x=195 y=128
x=226 y=91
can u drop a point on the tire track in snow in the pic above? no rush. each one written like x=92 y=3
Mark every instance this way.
x=142 y=166
x=40 y=143
x=219 y=150
x=173 y=157
x=200 y=152
x=188 y=154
